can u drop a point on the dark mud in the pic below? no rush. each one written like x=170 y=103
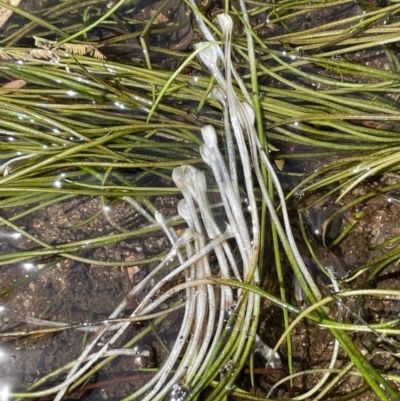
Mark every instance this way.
x=75 y=293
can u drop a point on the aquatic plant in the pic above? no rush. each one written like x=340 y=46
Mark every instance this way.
x=72 y=124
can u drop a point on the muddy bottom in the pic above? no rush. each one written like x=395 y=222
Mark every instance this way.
x=356 y=262
x=74 y=292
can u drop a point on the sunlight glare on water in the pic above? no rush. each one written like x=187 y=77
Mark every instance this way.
x=4 y=393
x=29 y=266
x=14 y=235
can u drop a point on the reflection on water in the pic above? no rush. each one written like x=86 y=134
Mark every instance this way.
x=6 y=359
x=4 y=393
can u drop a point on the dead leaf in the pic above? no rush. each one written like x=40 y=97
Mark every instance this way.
x=280 y=164
x=10 y=86
x=5 y=14
x=132 y=270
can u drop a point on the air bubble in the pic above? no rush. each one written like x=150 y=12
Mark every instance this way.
x=144 y=356
x=178 y=393
x=228 y=368
x=274 y=360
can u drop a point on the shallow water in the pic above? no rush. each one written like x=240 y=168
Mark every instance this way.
x=75 y=291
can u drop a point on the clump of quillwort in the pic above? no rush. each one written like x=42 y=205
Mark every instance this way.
x=199 y=347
